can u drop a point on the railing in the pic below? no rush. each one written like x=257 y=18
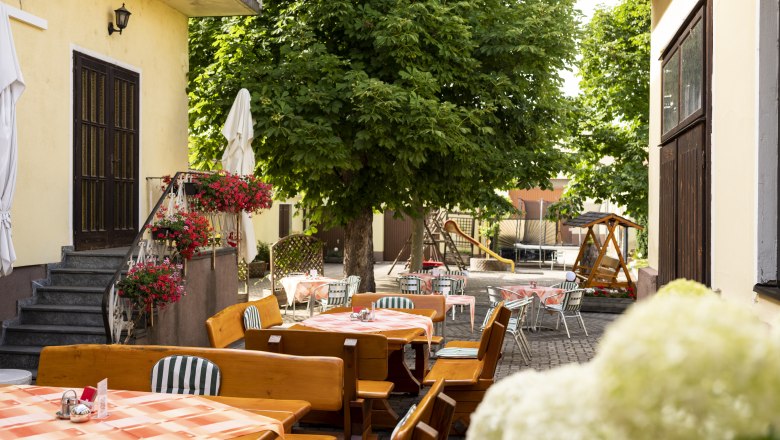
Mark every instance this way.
x=117 y=313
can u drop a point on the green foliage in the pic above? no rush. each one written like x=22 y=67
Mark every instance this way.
x=380 y=105
x=263 y=252
x=609 y=120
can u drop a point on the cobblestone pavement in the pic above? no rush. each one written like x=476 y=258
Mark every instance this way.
x=549 y=348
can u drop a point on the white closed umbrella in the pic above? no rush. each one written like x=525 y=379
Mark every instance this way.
x=239 y=158
x=11 y=88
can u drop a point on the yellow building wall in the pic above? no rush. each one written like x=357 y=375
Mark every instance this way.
x=154 y=45
x=734 y=144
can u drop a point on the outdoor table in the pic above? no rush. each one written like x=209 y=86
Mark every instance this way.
x=427 y=279
x=301 y=288
x=462 y=300
x=30 y=411
x=540 y=294
x=400 y=327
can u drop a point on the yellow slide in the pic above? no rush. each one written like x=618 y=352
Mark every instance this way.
x=452 y=227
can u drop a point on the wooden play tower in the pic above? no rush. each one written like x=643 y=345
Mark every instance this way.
x=594 y=268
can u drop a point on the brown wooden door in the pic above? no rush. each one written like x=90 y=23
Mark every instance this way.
x=105 y=144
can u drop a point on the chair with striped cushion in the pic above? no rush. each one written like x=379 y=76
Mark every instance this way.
x=569 y=307
x=251 y=318
x=395 y=302
x=182 y=374
x=410 y=284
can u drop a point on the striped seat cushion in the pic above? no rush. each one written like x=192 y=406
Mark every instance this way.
x=251 y=318
x=570 y=285
x=181 y=374
x=395 y=302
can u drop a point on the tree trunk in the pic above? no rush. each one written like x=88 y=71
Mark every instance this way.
x=359 y=250
x=418 y=234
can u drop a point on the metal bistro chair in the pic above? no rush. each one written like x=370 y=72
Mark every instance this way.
x=569 y=307
x=337 y=295
x=410 y=284
x=353 y=284
x=443 y=286
x=519 y=308
x=495 y=296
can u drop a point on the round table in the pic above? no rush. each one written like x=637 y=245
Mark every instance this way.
x=15 y=377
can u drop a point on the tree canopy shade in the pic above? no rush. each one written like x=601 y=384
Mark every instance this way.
x=398 y=105
x=610 y=120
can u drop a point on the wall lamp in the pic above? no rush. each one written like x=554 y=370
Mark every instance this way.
x=122 y=17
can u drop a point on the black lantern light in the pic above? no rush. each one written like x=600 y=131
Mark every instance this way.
x=122 y=17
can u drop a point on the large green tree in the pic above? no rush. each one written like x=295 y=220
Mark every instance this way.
x=609 y=124
x=399 y=105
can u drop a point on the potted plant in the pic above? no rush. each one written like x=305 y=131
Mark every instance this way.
x=151 y=285
x=259 y=265
x=603 y=300
x=187 y=230
x=233 y=193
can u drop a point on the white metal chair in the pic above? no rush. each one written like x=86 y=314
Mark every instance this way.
x=337 y=295
x=569 y=307
x=495 y=296
x=353 y=284
x=519 y=308
x=410 y=284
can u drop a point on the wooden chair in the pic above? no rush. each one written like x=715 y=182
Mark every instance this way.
x=226 y=328
x=365 y=357
x=430 y=419
x=467 y=380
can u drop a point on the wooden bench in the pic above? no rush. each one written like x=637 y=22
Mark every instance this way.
x=431 y=418
x=467 y=380
x=227 y=327
x=605 y=274
x=318 y=380
x=365 y=357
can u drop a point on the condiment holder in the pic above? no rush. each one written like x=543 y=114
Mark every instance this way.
x=68 y=401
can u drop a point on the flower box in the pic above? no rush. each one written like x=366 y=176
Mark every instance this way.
x=596 y=304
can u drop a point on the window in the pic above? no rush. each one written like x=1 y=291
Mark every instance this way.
x=683 y=78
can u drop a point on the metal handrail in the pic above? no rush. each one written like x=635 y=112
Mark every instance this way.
x=129 y=256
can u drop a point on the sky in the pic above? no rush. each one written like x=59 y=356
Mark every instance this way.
x=571 y=81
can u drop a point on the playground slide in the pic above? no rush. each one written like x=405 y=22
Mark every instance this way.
x=452 y=227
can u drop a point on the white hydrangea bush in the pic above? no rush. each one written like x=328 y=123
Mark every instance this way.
x=683 y=365
x=556 y=404
x=690 y=367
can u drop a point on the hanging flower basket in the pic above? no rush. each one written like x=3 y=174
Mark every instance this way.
x=187 y=230
x=232 y=193
x=151 y=285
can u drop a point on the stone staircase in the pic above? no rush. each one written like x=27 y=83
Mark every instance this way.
x=64 y=309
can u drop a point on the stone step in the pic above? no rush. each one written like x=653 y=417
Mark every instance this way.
x=68 y=276
x=35 y=334
x=70 y=295
x=24 y=357
x=108 y=259
x=56 y=314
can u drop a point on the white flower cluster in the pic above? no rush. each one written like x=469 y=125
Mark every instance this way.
x=678 y=366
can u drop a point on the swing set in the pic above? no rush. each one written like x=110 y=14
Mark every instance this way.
x=593 y=267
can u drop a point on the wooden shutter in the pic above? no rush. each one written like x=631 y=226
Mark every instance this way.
x=667 y=233
x=285 y=219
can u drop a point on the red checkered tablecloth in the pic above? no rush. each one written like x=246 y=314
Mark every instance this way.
x=463 y=300
x=30 y=412
x=384 y=320
x=549 y=294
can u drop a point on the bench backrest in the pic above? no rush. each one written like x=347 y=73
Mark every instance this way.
x=227 y=326
x=433 y=414
x=371 y=348
x=245 y=373
x=431 y=302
